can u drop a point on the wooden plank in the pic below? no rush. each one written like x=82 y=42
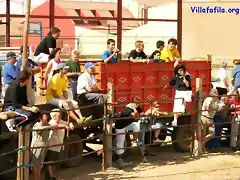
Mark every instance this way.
x=24 y=65
x=197 y=150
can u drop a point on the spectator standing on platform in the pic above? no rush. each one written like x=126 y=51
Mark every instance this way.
x=183 y=93
x=74 y=72
x=87 y=86
x=9 y=71
x=222 y=79
x=34 y=68
x=137 y=53
x=52 y=64
x=156 y=55
x=57 y=94
x=110 y=55
x=46 y=46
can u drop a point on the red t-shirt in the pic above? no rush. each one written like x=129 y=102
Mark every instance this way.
x=235 y=102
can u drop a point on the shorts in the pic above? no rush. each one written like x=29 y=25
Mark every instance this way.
x=52 y=156
x=59 y=103
x=180 y=98
x=37 y=156
x=41 y=58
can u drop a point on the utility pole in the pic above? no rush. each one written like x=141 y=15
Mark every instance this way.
x=24 y=136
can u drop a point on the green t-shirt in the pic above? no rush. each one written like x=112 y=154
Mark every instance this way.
x=73 y=67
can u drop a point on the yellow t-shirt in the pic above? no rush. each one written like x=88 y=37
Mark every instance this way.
x=57 y=83
x=167 y=53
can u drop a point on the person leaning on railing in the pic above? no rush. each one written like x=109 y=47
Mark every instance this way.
x=56 y=137
x=210 y=106
x=40 y=138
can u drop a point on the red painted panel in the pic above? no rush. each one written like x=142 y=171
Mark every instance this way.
x=147 y=81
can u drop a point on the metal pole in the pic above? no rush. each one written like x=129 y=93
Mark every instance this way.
x=51 y=13
x=119 y=25
x=179 y=26
x=7 y=23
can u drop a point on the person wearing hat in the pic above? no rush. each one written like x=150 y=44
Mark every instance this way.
x=34 y=68
x=9 y=71
x=222 y=79
x=57 y=94
x=87 y=86
x=235 y=74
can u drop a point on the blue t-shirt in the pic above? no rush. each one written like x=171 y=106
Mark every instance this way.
x=107 y=54
x=31 y=64
x=9 y=73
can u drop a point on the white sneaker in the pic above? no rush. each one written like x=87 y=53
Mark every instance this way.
x=10 y=125
x=174 y=123
x=158 y=141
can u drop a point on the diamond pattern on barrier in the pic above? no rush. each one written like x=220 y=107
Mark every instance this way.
x=122 y=79
x=150 y=78
x=164 y=96
x=110 y=80
x=122 y=99
x=150 y=97
x=137 y=79
x=192 y=76
x=165 y=77
x=202 y=76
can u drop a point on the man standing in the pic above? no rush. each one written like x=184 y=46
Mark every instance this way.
x=87 y=86
x=34 y=68
x=57 y=94
x=9 y=71
x=46 y=46
x=110 y=55
x=74 y=71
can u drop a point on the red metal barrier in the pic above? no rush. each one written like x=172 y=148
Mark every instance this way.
x=147 y=80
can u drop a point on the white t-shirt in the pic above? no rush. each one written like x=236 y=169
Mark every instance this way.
x=84 y=80
x=213 y=107
x=221 y=76
x=54 y=67
x=57 y=136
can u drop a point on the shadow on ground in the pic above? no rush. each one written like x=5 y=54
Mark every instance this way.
x=90 y=168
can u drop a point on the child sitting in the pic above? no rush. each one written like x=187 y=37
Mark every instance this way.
x=154 y=110
x=57 y=137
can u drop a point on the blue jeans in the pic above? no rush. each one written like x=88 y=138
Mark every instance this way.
x=215 y=142
x=236 y=83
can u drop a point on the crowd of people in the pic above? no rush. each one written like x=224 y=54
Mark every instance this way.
x=67 y=85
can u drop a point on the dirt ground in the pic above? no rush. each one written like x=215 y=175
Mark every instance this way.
x=167 y=165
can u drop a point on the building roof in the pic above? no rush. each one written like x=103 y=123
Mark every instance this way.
x=95 y=9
